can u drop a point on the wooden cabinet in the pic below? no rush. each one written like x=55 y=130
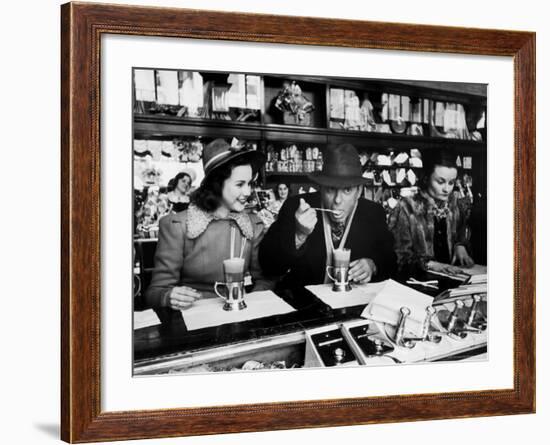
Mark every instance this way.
x=273 y=129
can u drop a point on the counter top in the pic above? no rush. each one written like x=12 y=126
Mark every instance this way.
x=163 y=341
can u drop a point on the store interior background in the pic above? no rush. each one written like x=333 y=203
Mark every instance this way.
x=30 y=223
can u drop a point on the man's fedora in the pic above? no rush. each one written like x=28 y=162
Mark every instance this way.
x=341 y=168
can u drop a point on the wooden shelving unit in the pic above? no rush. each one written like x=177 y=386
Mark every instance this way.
x=270 y=130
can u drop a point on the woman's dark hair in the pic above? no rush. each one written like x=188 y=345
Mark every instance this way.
x=208 y=196
x=430 y=161
x=173 y=183
x=276 y=188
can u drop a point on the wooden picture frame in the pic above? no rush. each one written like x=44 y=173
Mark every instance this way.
x=82 y=26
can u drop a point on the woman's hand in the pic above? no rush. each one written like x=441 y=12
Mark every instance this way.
x=361 y=270
x=461 y=257
x=436 y=266
x=181 y=297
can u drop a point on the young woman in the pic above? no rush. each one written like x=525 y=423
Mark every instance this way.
x=430 y=229
x=281 y=193
x=193 y=244
x=179 y=190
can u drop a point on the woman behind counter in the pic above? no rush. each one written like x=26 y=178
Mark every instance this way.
x=430 y=229
x=179 y=189
x=281 y=193
x=270 y=208
x=193 y=244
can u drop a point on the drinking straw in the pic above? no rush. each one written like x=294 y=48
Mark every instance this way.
x=243 y=245
x=232 y=242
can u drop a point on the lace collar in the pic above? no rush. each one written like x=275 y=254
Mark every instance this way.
x=198 y=221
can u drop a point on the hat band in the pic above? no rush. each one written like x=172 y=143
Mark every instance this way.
x=214 y=158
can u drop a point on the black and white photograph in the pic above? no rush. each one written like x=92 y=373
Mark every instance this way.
x=289 y=221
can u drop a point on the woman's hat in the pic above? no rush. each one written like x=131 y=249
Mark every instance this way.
x=219 y=152
x=341 y=168
x=189 y=172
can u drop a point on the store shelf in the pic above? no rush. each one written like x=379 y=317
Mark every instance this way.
x=390 y=167
x=147 y=126
x=287 y=174
x=162 y=126
x=399 y=141
x=445 y=92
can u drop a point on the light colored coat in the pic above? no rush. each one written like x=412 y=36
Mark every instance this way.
x=191 y=248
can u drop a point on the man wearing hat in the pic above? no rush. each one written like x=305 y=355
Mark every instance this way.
x=300 y=243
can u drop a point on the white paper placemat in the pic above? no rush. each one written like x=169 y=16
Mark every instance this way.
x=386 y=305
x=358 y=295
x=209 y=311
x=144 y=319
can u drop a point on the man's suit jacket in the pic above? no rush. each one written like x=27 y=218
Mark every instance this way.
x=368 y=237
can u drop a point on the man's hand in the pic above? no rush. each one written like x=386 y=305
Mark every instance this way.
x=362 y=270
x=306 y=218
x=181 y=297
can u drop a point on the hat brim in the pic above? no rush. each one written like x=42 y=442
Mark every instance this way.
x=190 y=172
x=337 y=181
x=256 y=158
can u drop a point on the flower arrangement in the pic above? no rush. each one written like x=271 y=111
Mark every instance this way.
x=295 y=106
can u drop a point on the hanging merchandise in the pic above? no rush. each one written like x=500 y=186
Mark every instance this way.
x=144 y=84
x=385 y=113
x=367 y=116
x=415 y=130
x=168 y=151
x=191 y=94
x=236 y=94
x=416 y=111
x=408 y=192
x=481 y=122
x=462 y=126
x=394 y=107
x=401 y=158
x=416 y=158
x=155 y=149
x=167 y=87
x=450 y=118
x=253 y=85
x=384 y=160
x=352 y=111
x=426 y=108
x=400 y=175
x=220 y=102
x=319 y=162
x=439 y=114
x=406 y=108
x=411 y=177
x=141 y=148
x=369 y=174
x=337 y=103
x=387 y=178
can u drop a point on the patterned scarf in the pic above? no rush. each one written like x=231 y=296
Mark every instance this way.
x=439 y=209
